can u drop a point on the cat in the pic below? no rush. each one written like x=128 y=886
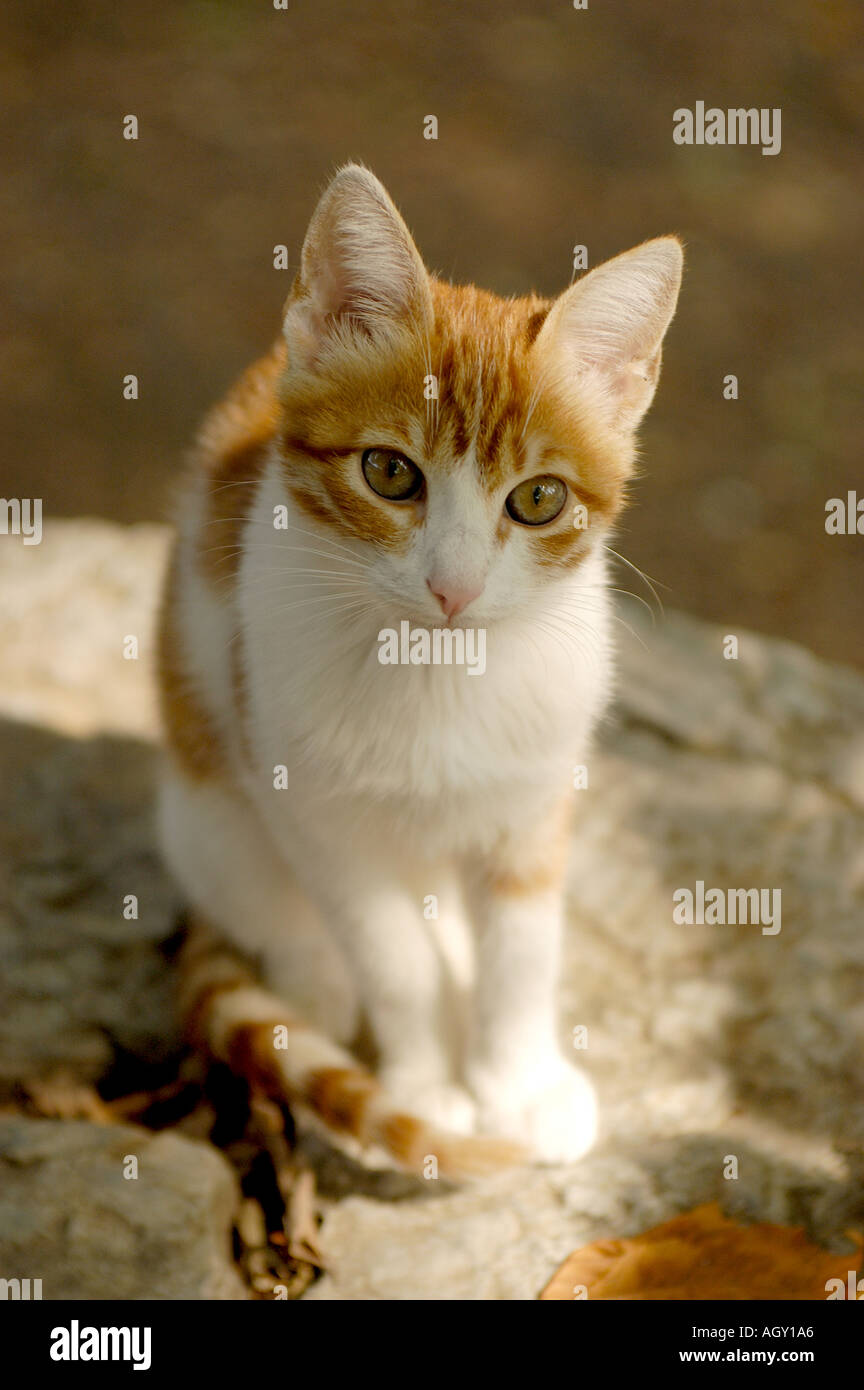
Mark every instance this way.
x=386 y=844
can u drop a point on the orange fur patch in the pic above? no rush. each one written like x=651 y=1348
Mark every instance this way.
x=197 y=1016
x=190 y=731
x=342 y=1097
x=232 y=449
x=405 y=1137
x=240 y=693
x=250 y=1053
x=521 y=869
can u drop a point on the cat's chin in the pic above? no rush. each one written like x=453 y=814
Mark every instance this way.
x=430 y=622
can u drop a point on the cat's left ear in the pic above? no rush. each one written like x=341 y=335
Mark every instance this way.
x=610 y=326
x=359 y=270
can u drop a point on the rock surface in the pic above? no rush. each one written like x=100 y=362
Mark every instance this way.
x=79 y=978
x=705 y=1041
x=70 y=1217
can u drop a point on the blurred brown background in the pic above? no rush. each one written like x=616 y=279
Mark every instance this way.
x=555 y=128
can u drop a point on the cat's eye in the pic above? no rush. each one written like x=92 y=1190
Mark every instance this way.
x=537 y=501
x=391 y=475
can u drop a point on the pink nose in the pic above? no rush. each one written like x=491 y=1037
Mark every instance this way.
x=452 y=598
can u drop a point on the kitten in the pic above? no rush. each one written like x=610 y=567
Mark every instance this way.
x=388 y=842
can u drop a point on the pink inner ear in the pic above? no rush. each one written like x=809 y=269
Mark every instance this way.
x=359 y=261
x=327 y=300
x=616 y=317
x=328 y=291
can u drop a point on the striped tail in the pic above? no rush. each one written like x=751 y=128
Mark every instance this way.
x=231 y=1017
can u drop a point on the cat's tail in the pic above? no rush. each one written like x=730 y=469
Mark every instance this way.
x=231 y=1017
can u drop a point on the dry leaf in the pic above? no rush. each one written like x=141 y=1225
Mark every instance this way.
x=63 y=1096
x=302 y=1220
x=703 y=1255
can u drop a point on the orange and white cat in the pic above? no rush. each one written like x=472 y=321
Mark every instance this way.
x=389 y=841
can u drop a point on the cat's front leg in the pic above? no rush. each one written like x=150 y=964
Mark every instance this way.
x=525 y=1088
x=401 y=985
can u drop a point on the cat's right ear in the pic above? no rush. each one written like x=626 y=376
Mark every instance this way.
x=359 y=271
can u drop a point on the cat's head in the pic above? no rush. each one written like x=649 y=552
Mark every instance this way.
x=473 y=449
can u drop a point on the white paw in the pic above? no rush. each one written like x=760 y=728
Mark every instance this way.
x=440 y=1103
x=550 y=1107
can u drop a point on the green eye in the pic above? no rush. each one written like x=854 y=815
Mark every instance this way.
x=537 y=501
x=391 y=475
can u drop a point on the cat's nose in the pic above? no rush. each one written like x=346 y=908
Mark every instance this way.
x=453 y=597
